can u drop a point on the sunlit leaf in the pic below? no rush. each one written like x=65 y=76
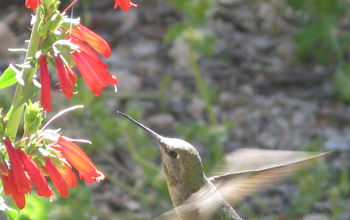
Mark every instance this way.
x=13 y=214
x=8 y=78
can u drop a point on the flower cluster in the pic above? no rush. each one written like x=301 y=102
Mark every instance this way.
x=67 y=36
x=62 y=43
x=90 y=66
x=23 y=170
x=125 y=5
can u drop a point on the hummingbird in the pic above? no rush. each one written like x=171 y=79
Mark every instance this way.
x=198 y=197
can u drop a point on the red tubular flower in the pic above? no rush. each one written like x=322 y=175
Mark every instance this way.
x=99 y=68
x=56 y=177
x=95 y=41
x=85 y=48
x=45 y=84
x=7 y=185
x=32 y=4
x=88 y=73
x=124 y=4
x=20 y=179
x=71 y=75
x=68 y=176
x=96 y=63
x=4 y=170
x=64 y=77
x=43 y=189
x=79 y=160
x=17 y=196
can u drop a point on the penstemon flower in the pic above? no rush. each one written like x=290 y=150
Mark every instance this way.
x=32 y=4
x=40 y=154
x=35 y=174
x=125 y=5
x=80 y=161
x=45 y=84
x=46 y=153
x=20 y=179
x=84 y=34
x=72 y=40
x=63 y=77
x=53 y=158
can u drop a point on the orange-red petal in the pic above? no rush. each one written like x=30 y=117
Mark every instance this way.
x=94 y=40
x=17 y=196
x=20 y=179
x=56 y=177
x=7 y=185
x=45 y=84
x=85 y=48
x=71 y=75
x=79 y=160
x=69 y=177
x=43 y=189
x=88 y=73
x=100 y=70
x=32 y=4
x=66 y=84
x=125 y=5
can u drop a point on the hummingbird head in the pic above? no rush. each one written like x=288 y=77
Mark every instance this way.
x=182 y=165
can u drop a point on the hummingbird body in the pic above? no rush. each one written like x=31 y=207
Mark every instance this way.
x=186 y=181
x=184 y=175
x=196 y=197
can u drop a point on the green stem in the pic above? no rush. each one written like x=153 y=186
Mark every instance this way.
x=202 y=87
x=24 y=92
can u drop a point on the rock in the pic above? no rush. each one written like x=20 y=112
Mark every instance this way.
x=316 y=217
x=8 y=40
x=127 y=82
x=161 y=120
x=226 y=100
x=286 y=50
x=144 y=49
x=196 y=108
x=179 y=52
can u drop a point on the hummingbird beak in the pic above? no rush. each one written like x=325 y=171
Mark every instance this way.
x=153 y=134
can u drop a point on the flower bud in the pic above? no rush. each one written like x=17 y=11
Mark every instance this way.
x=32 y=118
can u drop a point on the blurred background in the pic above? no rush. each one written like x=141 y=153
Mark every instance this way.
x=221 y=74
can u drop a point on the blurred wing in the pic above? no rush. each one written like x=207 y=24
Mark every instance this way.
x=259 y=168
x=170 y=215
x=252 y=159
x=278 y=165
x=206 y=203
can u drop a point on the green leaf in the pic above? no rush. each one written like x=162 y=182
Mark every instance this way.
x=13 y=214
x=8 y=78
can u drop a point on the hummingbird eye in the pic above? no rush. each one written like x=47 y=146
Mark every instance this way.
x=173 y=154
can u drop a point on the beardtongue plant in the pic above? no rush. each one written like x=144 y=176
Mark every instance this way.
x=40 y=154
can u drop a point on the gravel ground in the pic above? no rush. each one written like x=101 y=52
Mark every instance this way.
x=275 y=101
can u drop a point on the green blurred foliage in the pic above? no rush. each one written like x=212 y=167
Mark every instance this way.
x=323 y=38
x=191 y=29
